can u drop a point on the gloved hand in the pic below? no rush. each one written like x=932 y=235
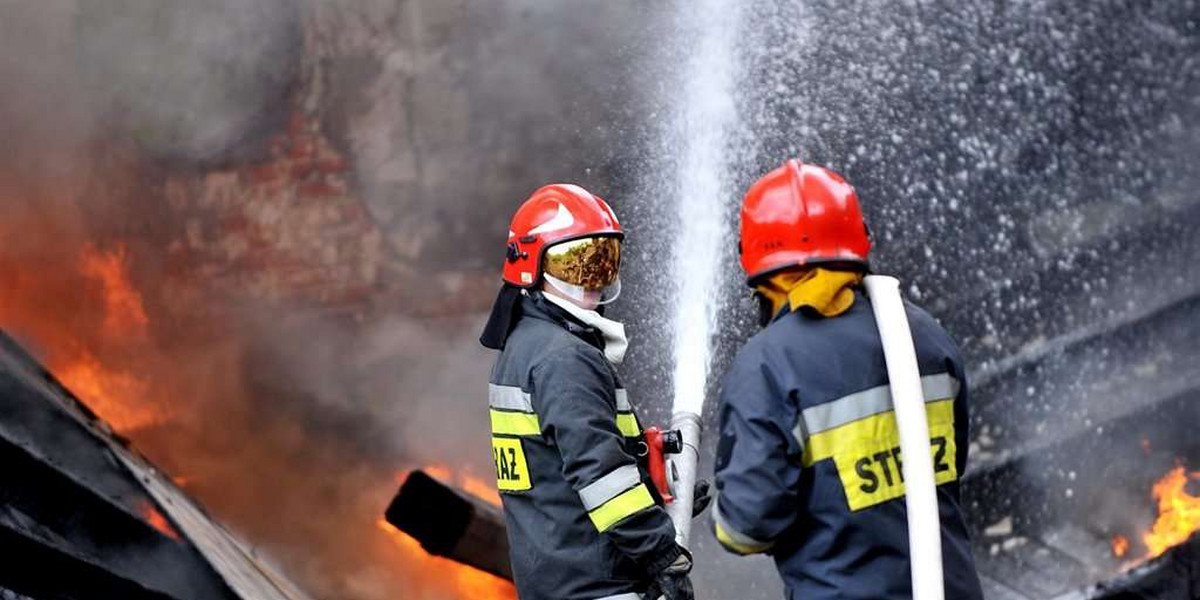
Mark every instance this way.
x=701 y=497
x=672 y=583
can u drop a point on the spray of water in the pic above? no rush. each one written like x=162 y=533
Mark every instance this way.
x=706 y=117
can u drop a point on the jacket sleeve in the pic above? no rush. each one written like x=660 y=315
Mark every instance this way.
x=575 y=397
x=962 y=419
x=758 y=464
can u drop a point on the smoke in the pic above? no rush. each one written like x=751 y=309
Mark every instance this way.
x=308 y=199
x=197 y=82
x=127 y=132
x=296 y=432
x=305 y=201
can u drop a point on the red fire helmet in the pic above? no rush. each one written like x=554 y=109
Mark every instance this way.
x=556 y=213
x=799 y=215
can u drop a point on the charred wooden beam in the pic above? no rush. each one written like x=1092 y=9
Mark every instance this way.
x=83 y=516
x=451 y=523
x=54 y=501
x=1173 y=576
x=37 y=568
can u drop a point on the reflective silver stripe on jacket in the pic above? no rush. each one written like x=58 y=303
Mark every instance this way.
x=609 y=486
x=623 y=400
x=509 y=397
x=861 y=405
x=629 y=596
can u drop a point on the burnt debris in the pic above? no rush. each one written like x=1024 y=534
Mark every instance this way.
x=84 y=516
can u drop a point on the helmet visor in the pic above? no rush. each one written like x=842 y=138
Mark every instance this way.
x=591 y=263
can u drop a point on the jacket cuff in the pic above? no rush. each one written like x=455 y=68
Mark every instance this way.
x=734 y=540
x=663 y=559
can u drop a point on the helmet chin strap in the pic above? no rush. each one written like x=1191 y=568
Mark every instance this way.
x=615 y=342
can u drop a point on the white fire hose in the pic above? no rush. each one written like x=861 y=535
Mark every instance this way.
x=924 y=527
x=682 y=474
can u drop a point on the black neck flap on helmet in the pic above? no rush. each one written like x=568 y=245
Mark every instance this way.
x=505 y=314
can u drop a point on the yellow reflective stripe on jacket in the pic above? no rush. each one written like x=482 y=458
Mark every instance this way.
x=627 y=504
x=521 y=423
x=514 y=423
x=626 y=421
x=867 y=454
x=512 y=468
x=732 y=539
x=728 y=542
x=628 y=425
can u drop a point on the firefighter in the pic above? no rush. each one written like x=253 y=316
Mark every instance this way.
x=584 y=520
x=808 y=466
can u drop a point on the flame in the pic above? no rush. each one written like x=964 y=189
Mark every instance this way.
x=466 y=582
x=139 y=329
x=1120 y=546
x=1178 y=512
x=125 y=313
x=79 y=308
x=118 y=397
x=1178 y=516
x=480 y=488
x=151 y=515
x=109 y=393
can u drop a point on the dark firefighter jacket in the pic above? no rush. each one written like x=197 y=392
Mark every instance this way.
x=808 y=463
x=582 y=522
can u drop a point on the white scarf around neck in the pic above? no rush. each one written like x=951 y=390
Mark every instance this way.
x=615 y=342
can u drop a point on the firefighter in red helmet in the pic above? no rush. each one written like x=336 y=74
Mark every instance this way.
x=808 y=462
x=584 y=519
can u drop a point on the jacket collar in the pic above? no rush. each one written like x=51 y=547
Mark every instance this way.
x=535 y=306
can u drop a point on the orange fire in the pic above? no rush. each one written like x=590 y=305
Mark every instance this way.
x=85 y=310
x=124 y=313
x=480 y=488
x=467 y=582
x=1120 y=545
x=119 y=397
x=1178 y=512
x=151 y=515
x=1178 y=516
x=78 y=313
x=110 y=393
